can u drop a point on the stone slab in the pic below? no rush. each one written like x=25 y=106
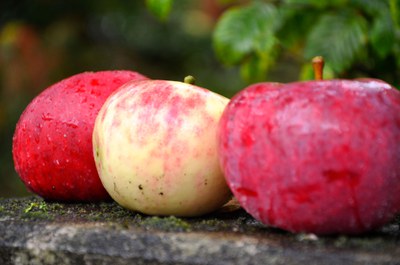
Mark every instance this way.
x=33 y=231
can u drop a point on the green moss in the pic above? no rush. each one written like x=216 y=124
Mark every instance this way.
x=37 y=215
x=103 y=212
x=170 y=223
x=341 y=241
x=213 y=225
x=35 y=209
x=36 y=206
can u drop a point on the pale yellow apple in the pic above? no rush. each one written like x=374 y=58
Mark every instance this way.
x=155 y=148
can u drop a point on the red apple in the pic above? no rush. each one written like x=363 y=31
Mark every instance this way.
x=52 y=146
x=318 y=156
x=155 y=148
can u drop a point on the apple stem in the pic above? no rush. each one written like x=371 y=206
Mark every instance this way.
x=318 y=65
x=189 y=80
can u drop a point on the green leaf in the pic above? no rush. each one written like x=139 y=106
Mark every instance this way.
x=295 y=26
x=395 y=12
x=316 y=3
x=242 y=30
x=255 y=67
x=371 y=7
x=265 y=45
x=340 y=38
x=160 y=8
x=226 y=2
x=382 y=35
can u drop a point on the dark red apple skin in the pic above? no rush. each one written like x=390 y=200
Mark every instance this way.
x=52 y=143
x=317 y=157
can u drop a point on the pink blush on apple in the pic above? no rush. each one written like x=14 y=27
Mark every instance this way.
x=166 y=141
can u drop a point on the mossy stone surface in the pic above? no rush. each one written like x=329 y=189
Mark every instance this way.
x=34 y=231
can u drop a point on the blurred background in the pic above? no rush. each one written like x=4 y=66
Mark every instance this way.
x=225 y=44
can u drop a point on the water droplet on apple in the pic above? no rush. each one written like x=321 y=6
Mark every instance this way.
x=71 y=123
x=47 y=116
x=94 y=82
x=23 y=127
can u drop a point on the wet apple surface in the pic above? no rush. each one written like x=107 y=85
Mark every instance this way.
x=316 y=156
x=156 y=151
x=52 y=146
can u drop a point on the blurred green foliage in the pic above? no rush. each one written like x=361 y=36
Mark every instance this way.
x=42 y=42
x=246 y=36
x=225 y=44
x=160 y=8
x=356 y=37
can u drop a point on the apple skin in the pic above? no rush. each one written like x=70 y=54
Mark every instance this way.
x=317 y=157
x=155 y=147
x=52 y=143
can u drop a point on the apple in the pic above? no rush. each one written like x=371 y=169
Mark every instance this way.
x=155 y=147
x=52 y=143
x=317 y=156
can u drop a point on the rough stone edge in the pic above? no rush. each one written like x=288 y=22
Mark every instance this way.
x=24 y=243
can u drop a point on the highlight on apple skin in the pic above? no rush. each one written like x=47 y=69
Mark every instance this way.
x=52 y=143
x=155 y=148
x=317 y=157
